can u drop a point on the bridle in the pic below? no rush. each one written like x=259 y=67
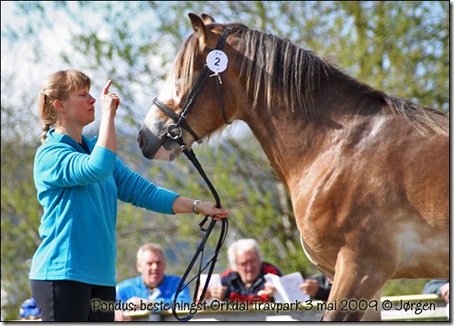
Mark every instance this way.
x=175 y=133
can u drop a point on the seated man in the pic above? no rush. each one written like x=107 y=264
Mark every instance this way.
x=245 y=280
x=152 y=285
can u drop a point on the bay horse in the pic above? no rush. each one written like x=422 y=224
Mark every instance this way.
x=367 y=172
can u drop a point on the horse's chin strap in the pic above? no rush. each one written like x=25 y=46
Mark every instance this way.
x=173 y=130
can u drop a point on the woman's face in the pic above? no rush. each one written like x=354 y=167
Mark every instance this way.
x=79 y=108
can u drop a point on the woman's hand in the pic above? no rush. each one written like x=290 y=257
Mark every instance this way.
x=210 y=209
x=109 y=101
x=184 y=205
x=109 y=106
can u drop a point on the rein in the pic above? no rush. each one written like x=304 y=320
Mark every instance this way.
x=175 y=133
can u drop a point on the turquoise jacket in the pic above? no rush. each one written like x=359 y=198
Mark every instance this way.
x=78 y=192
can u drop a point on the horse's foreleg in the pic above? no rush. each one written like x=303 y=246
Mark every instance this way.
x=356 y=287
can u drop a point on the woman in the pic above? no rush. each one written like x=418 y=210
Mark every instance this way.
x=78 y=182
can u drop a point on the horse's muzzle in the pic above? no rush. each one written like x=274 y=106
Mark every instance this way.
x=149 y=143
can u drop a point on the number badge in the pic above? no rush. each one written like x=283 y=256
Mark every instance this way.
x=217 y=61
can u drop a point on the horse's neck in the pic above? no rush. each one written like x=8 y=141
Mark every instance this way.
x=294 y=141
x=288 y=143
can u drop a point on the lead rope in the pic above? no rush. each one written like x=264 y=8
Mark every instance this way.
x=175 y=128
x=201 y=248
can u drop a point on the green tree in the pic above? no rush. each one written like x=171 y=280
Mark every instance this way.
x=20 y=211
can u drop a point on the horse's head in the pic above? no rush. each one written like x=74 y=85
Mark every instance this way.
x=208 y=99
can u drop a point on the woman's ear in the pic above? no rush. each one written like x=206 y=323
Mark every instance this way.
x=58 y=104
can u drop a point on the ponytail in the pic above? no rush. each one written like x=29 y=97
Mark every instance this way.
x=45 y=128
x=48 y=113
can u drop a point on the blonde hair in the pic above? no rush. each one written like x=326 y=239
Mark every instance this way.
x=244 y=245
x=58 y=86
x=149 y=247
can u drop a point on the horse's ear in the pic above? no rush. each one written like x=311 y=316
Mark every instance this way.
x=199 y=27
x=207 y=19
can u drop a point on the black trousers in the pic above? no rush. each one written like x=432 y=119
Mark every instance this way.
x=73 y=301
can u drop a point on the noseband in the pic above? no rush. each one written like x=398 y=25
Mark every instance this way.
x=174 y=131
